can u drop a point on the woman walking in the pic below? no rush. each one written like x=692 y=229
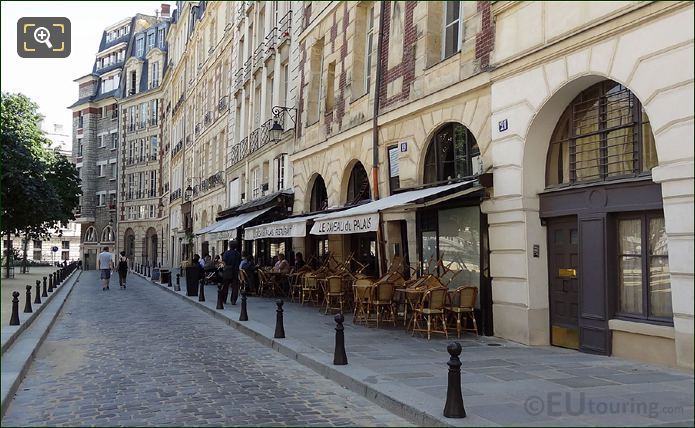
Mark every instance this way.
x=122 y=269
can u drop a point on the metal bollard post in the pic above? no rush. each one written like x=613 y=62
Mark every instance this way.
x=27 y=305
x=339 y=355
x=169 y=280
x=37 y=299
x=44 y=280
x=454 y=399
x=243 y=315
x=14 y=319
x=45 y=291
x=178 y=282
x=279 y=324
x=201 y=292
x=220 y=305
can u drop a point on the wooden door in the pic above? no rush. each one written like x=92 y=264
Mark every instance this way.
x=563 y=261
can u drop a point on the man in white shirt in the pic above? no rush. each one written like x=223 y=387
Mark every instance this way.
x=105 y=265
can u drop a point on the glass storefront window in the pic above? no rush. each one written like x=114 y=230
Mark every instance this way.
x=459 y=245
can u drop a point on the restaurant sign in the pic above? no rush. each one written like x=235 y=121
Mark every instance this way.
x=287 y=230
x=346 y=225
x=226 y=235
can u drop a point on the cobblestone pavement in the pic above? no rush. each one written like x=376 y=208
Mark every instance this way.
x=142 y=357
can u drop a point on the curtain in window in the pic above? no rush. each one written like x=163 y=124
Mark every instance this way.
x=630 y=265
x=659 y=277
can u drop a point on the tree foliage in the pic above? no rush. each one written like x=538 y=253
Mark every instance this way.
x=40 y=187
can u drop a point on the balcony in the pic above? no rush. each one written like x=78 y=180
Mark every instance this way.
x=197 y=128
x=176 y=194
x=258 y=56
x=208 y=118
x=270 y=44
x=284 y=28
x=177 y=148
x=222 y=104
x=238 y=79
x=247 y=69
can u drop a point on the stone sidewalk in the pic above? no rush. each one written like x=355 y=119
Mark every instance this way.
x=504 y=383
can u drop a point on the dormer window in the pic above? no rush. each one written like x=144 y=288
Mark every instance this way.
x=140 y=46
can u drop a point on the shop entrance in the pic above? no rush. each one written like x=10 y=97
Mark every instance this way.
x=563 y=261
x=365 y=253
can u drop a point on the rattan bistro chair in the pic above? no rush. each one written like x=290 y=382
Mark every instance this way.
x=382 y=301
x=334 y=294
x=463 y=305
x=310 y=288
x=431 y=308
x=363 y=291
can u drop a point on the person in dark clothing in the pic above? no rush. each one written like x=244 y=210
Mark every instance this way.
x=299 y=261
x=249 y=267
x=122 y=269
x=230 y=273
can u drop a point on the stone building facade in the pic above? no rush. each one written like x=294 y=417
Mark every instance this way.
x=96 y=136
x=571 y=123
x=140 y=208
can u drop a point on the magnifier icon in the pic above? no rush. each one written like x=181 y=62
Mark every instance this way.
x=42 y=35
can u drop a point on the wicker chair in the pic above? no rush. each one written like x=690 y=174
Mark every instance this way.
x=243 y=280
x=382 y=301
x=334 y=293
x=431 y=308
x=363 y=290
x=296 y=284
x=310 y=288
x=463 y=305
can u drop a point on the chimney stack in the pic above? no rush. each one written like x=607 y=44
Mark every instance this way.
x=165 y=10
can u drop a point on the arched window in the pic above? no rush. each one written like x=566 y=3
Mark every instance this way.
x=604 y=133
x=90 y=235
x=452 y=153
x=319 y=195
x=107 y=235
x=358 y=185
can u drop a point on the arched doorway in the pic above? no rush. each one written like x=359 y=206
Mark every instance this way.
x=129 y=244
x=363 y=246
x=606 y=237
x=150 y=250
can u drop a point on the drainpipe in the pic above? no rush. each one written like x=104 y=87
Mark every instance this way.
x=381 y=245
x=375 y=128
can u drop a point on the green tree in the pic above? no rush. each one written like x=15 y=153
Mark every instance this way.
x=40 y=187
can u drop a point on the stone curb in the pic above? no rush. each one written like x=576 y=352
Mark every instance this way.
x=417 y=409
x=9 y=338
x=18 y=356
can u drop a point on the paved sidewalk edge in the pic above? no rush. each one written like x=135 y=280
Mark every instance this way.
x=25 y=324
x=320 y=362
x=32 y=343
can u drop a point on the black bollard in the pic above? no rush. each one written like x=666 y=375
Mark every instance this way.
x=37 y=298
x=243 y=315
x=178 y=282
x=339 y=355
x=201 y=293
x=44 y=279
x=454 y=399
x=45 y=291
x=279 y=324
x=14 y=319
x=27 y=305
x=169 y=281
x=220 y=305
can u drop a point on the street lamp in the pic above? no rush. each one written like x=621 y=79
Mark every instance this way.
x=188 y=193
x=279 y=113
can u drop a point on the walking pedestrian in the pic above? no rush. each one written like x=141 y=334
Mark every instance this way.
x=105 y=265
x=230 y=273
x=122 y=269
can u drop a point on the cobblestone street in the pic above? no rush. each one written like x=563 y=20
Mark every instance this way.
x=143 y=357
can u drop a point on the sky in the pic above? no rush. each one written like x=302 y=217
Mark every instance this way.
x=49 y=82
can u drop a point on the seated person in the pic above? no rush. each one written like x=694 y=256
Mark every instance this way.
x=299 y=261
x=282 y=265
x=248 y=265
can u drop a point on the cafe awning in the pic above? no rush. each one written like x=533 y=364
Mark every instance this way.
x=365 y=218
x=226 y=229
x=294 y=227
